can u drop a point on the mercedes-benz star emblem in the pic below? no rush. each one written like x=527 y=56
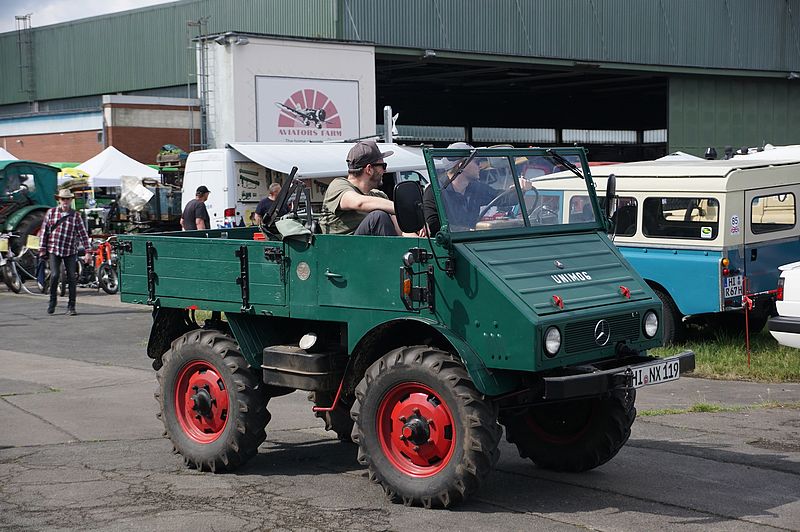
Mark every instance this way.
x=602 y=333
x=559 y=264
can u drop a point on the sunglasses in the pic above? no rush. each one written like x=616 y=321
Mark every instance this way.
x=381 y=165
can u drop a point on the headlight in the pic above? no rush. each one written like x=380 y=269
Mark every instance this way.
x=552 y=341
x=650 y=323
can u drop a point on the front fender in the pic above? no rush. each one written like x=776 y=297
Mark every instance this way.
x=14 y=220
x=488 y=381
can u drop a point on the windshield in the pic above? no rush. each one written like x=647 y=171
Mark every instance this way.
x=480 y=191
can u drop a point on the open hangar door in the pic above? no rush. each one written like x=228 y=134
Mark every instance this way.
x=617 y=116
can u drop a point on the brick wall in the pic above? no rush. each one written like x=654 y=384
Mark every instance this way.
x=74 y=146
x=143 y=143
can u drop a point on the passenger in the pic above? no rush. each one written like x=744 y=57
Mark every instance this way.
x=353 y=205
x=266 y=204
x=195 y=214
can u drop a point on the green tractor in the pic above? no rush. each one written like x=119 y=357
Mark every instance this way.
x=27 y=190
x=519 y=315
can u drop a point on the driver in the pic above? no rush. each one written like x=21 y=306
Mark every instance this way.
x=464 y=196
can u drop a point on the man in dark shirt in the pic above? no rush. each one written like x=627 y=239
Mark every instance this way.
x=462 y=198
x=266 y=204
x=195 y=214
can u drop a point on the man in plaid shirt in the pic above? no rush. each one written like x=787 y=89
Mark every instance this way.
x=63 y=234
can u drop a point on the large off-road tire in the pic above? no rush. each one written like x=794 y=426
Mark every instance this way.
x=30 y=225
x=574 y=435
x=427 y=435
x=674 y=331
x=337 y=420
x=108 y=279
x=212 y=404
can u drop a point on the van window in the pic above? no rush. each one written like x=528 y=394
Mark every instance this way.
x=624 y=217
x=691 y=218
x=772 y=213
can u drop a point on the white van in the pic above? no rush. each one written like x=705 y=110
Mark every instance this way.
x=239 y=175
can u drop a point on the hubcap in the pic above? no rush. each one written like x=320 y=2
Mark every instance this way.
x=416 y=429
x=201 y=402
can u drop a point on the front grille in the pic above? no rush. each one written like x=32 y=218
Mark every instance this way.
x=579 y=336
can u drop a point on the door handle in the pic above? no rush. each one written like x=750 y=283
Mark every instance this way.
x=330 y=275
x=753 y=254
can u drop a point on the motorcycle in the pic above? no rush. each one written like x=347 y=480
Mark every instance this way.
x=100 y=272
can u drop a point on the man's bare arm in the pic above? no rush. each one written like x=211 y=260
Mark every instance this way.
x=200 y=223
x=352 y=201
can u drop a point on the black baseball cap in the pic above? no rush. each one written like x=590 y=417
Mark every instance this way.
x=363 y=153
x=202 y=189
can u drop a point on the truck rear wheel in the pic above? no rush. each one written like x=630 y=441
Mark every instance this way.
x=574 y=435
x=212 y=405
x=426 y=433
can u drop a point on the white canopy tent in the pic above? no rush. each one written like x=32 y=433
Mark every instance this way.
x=7 y=156
x=107 y=168
x=315 y=160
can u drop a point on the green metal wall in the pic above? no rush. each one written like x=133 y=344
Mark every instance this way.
x=146 y=48
x=719 y=112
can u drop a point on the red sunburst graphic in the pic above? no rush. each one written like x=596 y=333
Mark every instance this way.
x=308 y=108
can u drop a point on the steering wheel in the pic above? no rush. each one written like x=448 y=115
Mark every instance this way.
x=538 y=214
x=505 y=193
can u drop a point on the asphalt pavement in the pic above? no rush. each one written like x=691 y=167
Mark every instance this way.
x=81 y=448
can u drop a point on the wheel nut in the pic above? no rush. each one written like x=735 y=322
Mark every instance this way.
x=416 y=411
x=402 y=419
x=416 y=448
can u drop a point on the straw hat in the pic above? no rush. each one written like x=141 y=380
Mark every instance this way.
x=65 y=193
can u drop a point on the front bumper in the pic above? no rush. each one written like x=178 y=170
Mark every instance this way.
x=605 y=379
x=784 y=324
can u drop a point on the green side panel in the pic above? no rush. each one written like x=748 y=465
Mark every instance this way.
x=717 y=112
x=201 y=271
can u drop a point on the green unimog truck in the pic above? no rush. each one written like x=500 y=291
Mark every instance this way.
x=421 y=350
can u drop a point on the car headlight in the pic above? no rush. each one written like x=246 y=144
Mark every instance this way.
x=650 y=324
x=552 y=341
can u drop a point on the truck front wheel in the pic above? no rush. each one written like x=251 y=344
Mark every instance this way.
x=575 y=435
x=212 y=405
x=427 y=435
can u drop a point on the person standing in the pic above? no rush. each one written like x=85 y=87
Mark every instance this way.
x=63 y=233
x=195 y=214
x=266 y=204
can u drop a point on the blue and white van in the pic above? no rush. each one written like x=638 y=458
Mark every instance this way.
x=702 y=233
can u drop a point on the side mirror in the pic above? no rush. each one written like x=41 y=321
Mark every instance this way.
x=611 y=194
x=408 y=206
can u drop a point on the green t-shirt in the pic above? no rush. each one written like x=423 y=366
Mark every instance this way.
x=336 y=221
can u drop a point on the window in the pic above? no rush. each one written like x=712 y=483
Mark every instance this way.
x=772 y=213
x=690 y=218
x=623 y=220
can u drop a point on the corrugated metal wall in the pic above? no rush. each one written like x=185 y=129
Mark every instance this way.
x=719 y=112
x=146 y=48
x=735 y=34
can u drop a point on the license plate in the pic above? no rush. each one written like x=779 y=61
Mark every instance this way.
x=32 y=242
x=3 y=244
x=732 y=286
x=656 y=372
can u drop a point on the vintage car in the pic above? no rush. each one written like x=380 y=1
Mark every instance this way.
x=785 y=327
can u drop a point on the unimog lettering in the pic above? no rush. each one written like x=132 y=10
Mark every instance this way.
x=571 y=277
x=425 y=369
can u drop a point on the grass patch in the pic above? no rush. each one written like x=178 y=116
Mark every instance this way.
x=710 y=407
x=723 y=356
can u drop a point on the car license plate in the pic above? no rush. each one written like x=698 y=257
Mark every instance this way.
x=732 y=286
x=656 y=372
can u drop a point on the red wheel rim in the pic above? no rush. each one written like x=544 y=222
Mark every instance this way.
x=416 y=429
x=201 y=402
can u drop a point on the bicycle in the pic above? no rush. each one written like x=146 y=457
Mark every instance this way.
x=15 y=267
